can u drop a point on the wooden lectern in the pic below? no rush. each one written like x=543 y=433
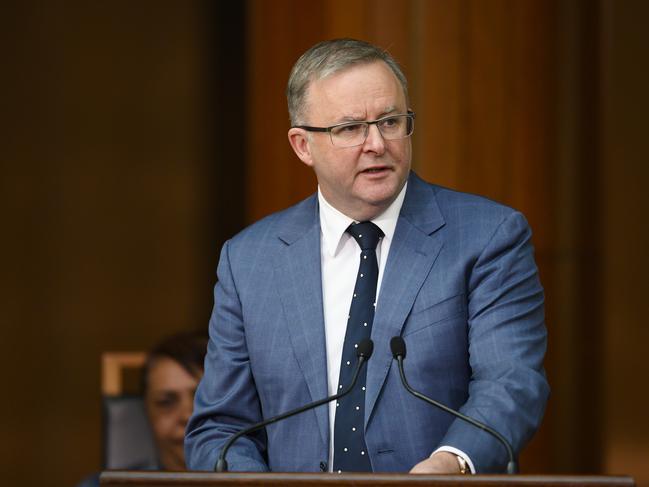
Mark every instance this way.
x=208 y=479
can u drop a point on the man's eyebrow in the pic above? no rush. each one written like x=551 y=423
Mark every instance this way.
x=351 y=118
x=361 y=118
x=388 y=110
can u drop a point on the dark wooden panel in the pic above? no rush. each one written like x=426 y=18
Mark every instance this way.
x=481 y=80
x=107 y=180
x=624 y=200
x=276 y=178
x=159 y=479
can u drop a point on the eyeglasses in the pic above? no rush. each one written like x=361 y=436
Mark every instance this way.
x=351 y=134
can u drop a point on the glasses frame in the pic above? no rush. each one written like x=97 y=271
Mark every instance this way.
x=410 y=114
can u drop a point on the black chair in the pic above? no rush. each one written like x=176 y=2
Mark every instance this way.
x=127 y=439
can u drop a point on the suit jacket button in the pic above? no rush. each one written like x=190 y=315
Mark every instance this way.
x=323 y=466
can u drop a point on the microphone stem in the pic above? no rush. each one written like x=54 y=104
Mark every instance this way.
x=222 y=465
x=511 y=465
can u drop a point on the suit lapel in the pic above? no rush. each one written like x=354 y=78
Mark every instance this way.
x=299 y=284
x=413 y=252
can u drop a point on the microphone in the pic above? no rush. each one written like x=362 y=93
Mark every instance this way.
x=398 y=347
x=363 y=352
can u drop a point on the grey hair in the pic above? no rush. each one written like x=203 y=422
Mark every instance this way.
x=327 y=58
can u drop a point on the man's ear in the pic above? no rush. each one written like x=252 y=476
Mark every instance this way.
x=299 y=140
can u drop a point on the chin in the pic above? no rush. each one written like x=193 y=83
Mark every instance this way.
x=380 y=199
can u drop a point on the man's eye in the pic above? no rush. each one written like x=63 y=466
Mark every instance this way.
x=390 y=122
x=353 y=128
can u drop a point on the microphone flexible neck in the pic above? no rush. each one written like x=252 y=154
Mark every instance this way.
x=512 y=468
x=222 y=464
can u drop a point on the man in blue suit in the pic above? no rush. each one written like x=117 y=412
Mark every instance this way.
x=456 y=279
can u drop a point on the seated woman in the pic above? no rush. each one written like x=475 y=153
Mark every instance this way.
x=171 y=374
x=169 y=379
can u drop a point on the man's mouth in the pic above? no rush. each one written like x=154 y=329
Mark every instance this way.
x=373 y=170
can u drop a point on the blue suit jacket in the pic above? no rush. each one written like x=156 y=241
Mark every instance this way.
x=460 y=286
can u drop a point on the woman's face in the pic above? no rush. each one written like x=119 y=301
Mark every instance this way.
x=169 y=402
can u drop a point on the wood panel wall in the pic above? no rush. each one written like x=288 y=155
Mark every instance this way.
x=135 y=142
x=624 y=177
x=534 y=103
x=482 y=82
x=113 y=205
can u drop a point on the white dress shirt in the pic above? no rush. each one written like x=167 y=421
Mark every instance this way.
x=340 y=261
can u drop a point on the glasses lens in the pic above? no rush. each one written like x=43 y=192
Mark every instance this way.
x=410 y=123
x=349 y=134
x=354 y=133
x=397 y=127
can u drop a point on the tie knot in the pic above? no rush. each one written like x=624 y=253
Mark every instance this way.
x=366 y=234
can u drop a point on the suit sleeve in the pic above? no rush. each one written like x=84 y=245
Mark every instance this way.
x=507 y=341
x=226 y=400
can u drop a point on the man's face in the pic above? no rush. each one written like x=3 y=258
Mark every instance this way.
x=360 y=181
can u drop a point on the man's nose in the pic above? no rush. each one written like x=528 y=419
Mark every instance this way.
x=374 y=142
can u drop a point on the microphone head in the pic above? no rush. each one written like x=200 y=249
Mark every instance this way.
x=365 y=349
x=398 y=347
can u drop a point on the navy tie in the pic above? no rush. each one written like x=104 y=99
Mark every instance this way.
x=350 y=451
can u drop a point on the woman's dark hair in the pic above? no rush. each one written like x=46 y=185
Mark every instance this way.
x=186 y=348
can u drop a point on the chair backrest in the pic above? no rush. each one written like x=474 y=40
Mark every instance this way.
x=128 y=441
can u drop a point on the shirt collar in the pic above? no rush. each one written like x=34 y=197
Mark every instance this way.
x=333 y=223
